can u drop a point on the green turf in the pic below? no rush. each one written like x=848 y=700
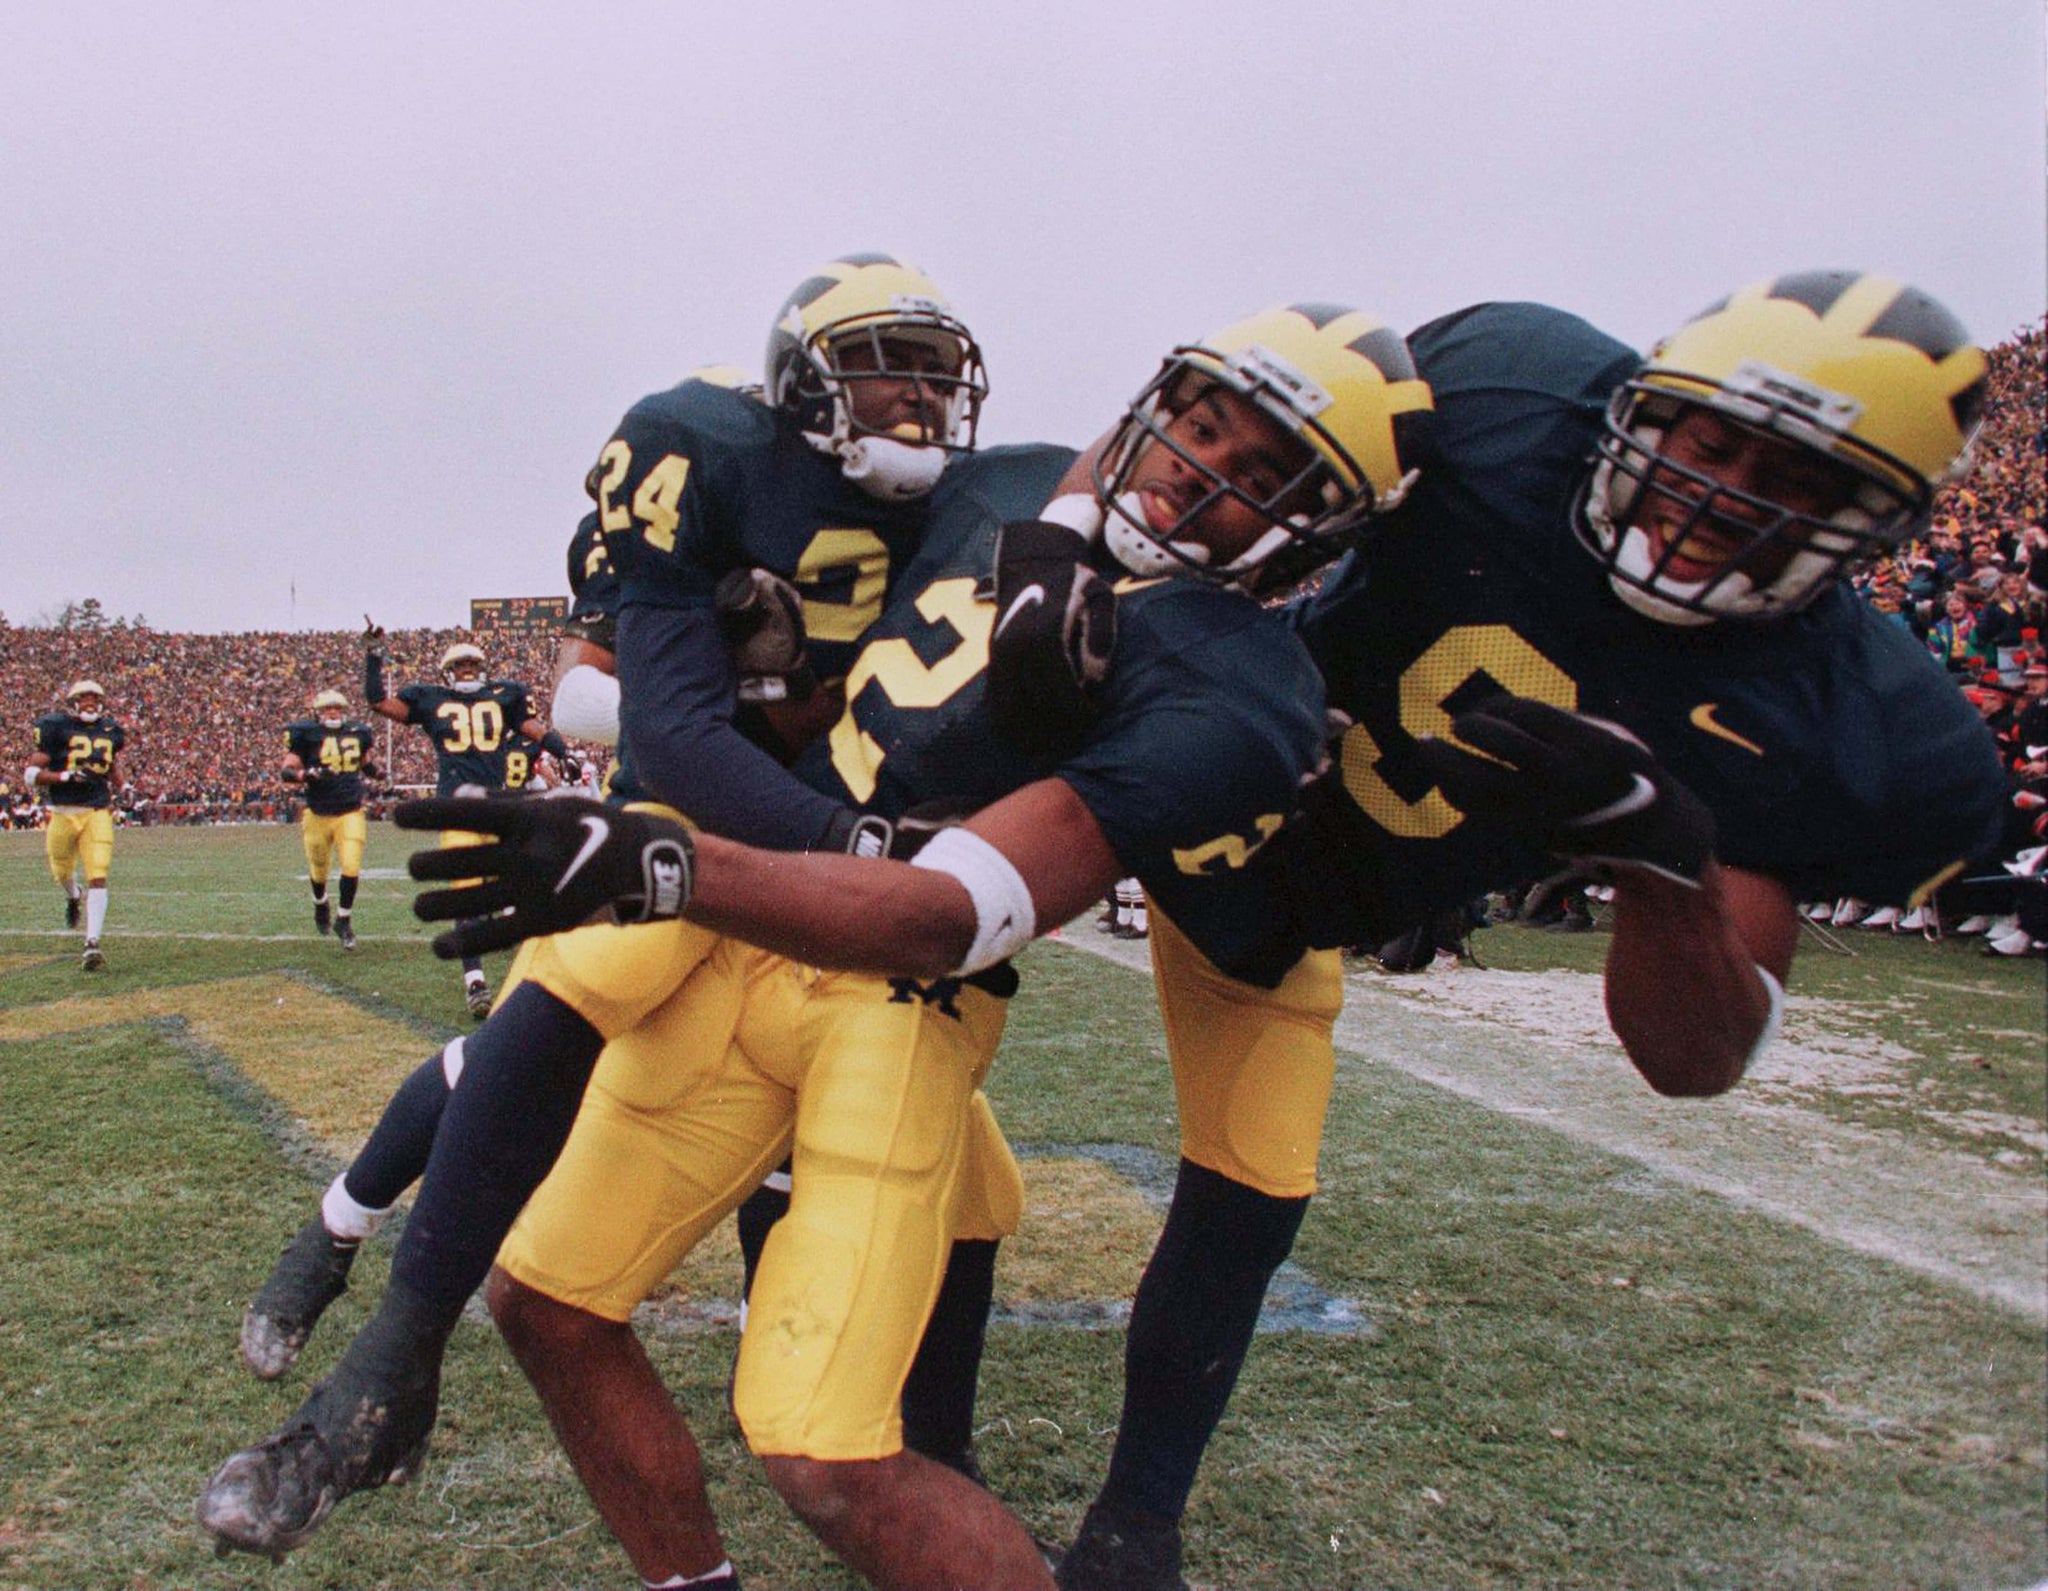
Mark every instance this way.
x=1581 y=1375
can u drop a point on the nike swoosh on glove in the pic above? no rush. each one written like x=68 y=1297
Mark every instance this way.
x=1576 y=785
x=1054 y=637
x=552 y=863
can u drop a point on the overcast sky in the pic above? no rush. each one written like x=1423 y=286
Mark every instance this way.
x=349 y=297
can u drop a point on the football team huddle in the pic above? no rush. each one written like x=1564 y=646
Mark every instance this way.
x=1330 y=630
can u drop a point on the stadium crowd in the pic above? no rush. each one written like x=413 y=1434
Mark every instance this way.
x=205 y=714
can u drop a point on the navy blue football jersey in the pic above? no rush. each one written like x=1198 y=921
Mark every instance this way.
x=1212 y=717
x=522 y=761
x=701 y=479
x=593 y=587
x=81 y=748
x=1833 y=753
x=333 y=758
x=471 y=730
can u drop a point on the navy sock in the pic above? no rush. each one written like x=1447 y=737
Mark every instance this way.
x=396 y=1155
x=348 y=891
x=523 y=1079
x=319 y=887
x=938 y=1397
x=756 y=1218
x=1191 y=1325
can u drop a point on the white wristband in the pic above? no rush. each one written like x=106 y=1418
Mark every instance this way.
x=586 y=705
x=1005 y=921
x=1773 y=1022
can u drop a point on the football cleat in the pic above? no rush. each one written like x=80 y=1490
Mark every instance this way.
x=93 y=959
x=70 y=911
x=322 y=917
x=311 y=1274
x=1116 y=1551
x=478 y=994
x=366 y=1425
x=345 y=931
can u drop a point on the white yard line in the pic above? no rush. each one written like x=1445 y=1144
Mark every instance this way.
x=1944 y=1213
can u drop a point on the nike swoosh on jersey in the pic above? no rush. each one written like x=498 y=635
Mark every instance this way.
x=599 y=831
x=1703 y=719
x=1030 y=596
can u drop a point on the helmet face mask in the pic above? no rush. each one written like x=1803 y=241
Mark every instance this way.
x=1687 y=545
x=878 y=371
x=330 y=708
x=1774 y=444
x=462 y=665
x=1337 y=402
x=86 y=701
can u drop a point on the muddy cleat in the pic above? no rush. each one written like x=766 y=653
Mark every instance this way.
x=311 y=1274
x=478 y=995
x=322 y=916
x=71 y=911
x=1116 y=1551
x=366 y=1425
x=93 y=959
x=345 y=931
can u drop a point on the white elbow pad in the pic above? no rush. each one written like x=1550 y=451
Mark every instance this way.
x=1773 y=1022
x=1005 y=921
x=28 y=775
x=586 y=705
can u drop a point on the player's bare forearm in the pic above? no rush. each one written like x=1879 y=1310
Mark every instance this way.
x=852 y=913
x=1683 y=992
x=863 y=915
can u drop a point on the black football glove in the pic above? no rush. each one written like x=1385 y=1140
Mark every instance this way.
x=1055 y=634
x=761 y=616
x=553 y=863
x=1578 y=786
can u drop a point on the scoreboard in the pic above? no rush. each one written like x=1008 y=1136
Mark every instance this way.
x=518 y=615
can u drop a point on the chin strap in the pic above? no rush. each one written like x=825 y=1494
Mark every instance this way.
x=891 y=470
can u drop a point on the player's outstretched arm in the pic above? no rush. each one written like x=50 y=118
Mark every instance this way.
x=1696 y=968
x=1685 y=987
x=375 y=691
x=973 y=894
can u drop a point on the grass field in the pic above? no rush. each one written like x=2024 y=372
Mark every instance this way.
x=1547 y=1331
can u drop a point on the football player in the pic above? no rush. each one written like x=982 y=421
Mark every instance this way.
x=1281 y=421
x=1225 y=451
x=876 y=384
x=328 y=755
x=73 y=765
x=469 y=718
x=1703 y=710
